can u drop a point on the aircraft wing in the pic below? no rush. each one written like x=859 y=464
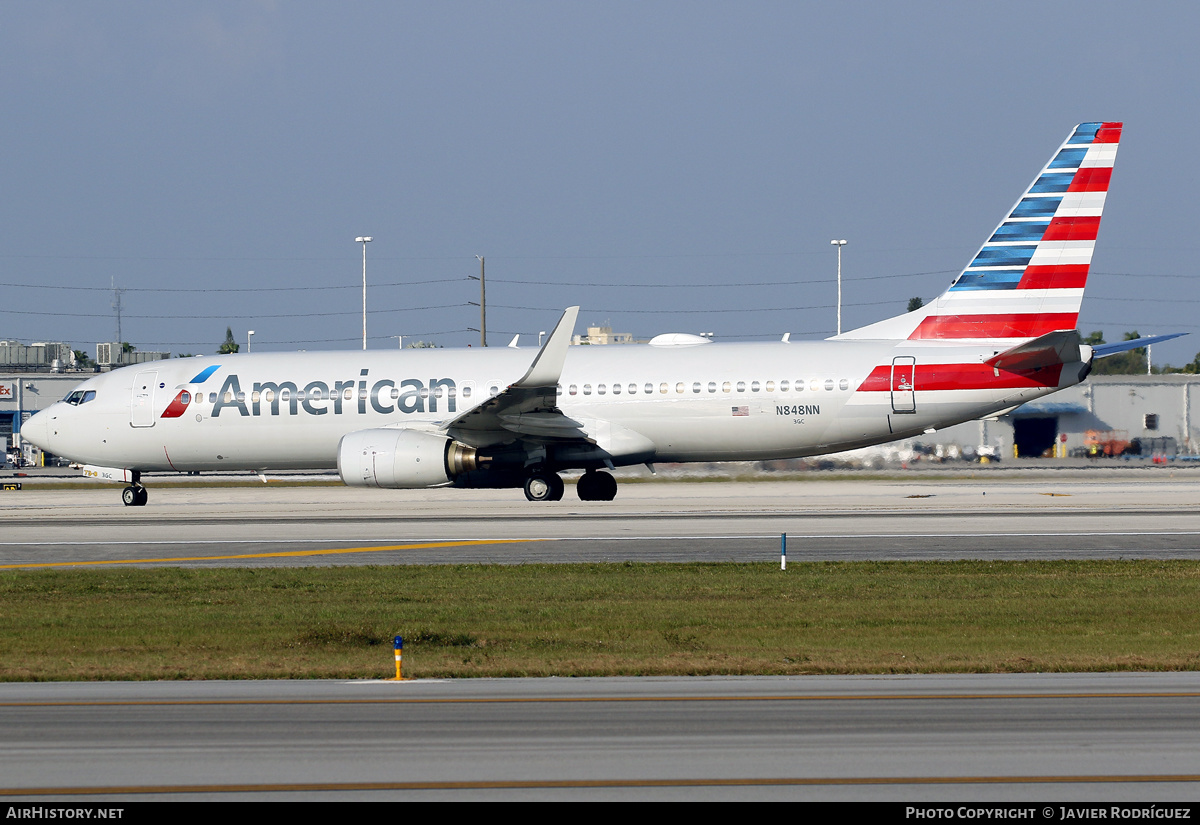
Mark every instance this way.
x=528 y=407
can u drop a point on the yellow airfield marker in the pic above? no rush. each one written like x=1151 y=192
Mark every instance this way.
x=399 y=645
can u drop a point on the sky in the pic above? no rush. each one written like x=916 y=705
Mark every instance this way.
x=668 y=166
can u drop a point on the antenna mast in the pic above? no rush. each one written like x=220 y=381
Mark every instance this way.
x=117 y=306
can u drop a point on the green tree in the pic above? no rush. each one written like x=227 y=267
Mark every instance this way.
x=915 y=303
x=1192 y=368
x=82 y=361
x=230 y=346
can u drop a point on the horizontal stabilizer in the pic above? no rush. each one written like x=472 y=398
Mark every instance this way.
x=1105 y=350
x=1060 y=347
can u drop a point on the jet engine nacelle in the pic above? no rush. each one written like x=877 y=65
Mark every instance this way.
x=403 y=459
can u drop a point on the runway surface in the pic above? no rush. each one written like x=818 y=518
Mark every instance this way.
x=1146 y=516
x=1016 y=738
x=1094 y=738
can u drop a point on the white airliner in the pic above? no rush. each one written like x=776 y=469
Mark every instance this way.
x=1001 y=335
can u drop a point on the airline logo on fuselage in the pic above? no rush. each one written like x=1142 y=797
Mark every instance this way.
x=386 y=396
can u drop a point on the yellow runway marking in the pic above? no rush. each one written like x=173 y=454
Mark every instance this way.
x=597 y=783
x=279 y=555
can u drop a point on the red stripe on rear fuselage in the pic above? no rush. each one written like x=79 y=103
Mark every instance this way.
x=931 y=377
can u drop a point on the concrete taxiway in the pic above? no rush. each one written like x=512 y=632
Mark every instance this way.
x=1049 y=515
x=1094 y=737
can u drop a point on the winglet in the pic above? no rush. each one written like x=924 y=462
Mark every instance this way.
x=547 y=366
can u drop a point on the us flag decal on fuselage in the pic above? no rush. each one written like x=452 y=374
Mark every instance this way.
x=741 y=410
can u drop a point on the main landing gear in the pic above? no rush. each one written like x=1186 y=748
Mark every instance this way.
x=544 y=486
x=596 y=486
x=134 y=496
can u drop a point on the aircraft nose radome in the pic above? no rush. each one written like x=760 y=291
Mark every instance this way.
x=37 y=430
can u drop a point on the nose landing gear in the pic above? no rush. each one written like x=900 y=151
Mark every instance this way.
x=134 y=495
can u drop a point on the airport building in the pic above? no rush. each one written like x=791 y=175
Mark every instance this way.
x=46 y=356
x=1105 y=415
x=599 y=336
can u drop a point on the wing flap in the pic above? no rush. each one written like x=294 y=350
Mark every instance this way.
x=543 y=424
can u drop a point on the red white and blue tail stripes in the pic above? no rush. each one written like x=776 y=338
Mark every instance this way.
x=1028 y=278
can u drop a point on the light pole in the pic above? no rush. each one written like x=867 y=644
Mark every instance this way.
x=249 y=335
x=482 y=303
x=364 y=240
x=839 y=245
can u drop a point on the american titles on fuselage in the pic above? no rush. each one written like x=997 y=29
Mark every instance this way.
x=413 y=395
x=385 y=396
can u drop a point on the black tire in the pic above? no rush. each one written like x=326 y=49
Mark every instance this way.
x=142 y=497
x=559 y=487
x=130 y=497
x=596 y=486
x=606 y=487
x=540 y=486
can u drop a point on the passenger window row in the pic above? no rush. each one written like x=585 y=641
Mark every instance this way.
x=712 y=387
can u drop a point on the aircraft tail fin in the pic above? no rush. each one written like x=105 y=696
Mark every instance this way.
x=1028 y=278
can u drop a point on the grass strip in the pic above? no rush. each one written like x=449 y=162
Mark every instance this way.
x=599 y=619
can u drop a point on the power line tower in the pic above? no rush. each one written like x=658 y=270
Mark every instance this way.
x=116 y=305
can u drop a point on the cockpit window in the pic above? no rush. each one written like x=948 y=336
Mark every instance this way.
x=78 y=397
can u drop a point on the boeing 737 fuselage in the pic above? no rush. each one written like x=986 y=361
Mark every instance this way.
x=1001 y=335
